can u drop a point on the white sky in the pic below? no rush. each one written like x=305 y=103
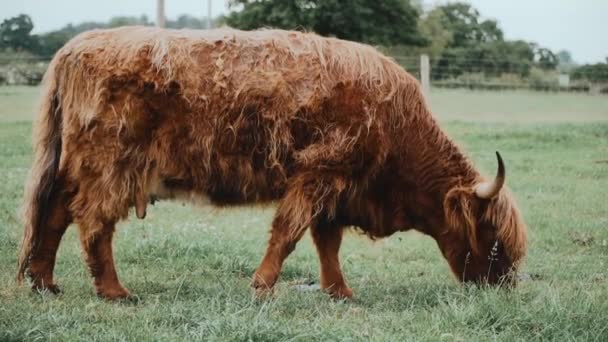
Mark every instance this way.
x=580 y=26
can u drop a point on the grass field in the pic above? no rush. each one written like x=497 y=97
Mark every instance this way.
x=191 y=267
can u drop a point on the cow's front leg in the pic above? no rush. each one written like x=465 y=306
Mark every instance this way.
x=309 y=196
x=97 y=244
x=327 y=239
x=283 y=239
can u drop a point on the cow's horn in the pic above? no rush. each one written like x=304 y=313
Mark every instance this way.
x=488 y=190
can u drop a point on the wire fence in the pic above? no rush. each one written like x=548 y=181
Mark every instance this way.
x=444 y=72
x=503 y=74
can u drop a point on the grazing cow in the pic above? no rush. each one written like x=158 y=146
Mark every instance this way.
x=337 y=133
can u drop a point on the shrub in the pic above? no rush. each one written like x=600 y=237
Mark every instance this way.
x=22 y=73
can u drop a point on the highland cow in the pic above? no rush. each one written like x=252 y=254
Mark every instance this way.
x=335 y=132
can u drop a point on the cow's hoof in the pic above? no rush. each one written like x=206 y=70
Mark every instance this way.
x=51 y=288
x=263 y=284
x=113 y=293
x=261 y=280
x=339 y=292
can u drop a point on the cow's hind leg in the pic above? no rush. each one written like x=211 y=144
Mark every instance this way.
x=96 y=239
x=42 y=261
x=327 y=239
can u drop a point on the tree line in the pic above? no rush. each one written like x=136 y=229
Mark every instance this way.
x=455 y=35
x=16 y=32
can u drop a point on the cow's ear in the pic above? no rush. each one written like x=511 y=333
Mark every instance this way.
x=457 y=206
x=459 y=214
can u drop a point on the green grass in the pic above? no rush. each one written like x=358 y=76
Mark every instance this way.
x=191 y=267
x=18 y=103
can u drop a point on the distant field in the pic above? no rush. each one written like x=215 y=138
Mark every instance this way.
x=191 y=267
x=518 y=106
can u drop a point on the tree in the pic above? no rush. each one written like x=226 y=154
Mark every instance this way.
x=491 y=58
x=597 y=73
x=287 y=14
x=49 y=43
x=376 y=22
x=545 y=58
x=565 y=62
x=488 y=31
x=186 y=21
x=564 y=57
x=128 y=21
x=466 y=43
x=15 y=33
x=432 y=28
x=466 y=26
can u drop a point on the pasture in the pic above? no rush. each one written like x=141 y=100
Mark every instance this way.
x=191 y=267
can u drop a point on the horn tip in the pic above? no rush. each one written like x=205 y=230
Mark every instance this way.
x=501 y=163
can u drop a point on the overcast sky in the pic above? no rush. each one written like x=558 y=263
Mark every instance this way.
x=580 y=26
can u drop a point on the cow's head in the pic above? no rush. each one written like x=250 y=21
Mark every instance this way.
x=485 y=239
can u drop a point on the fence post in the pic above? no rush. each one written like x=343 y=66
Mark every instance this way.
x=209 y=18
x=425 y=71
x=160 y=13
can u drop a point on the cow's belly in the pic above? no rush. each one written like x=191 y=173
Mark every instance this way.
x=228 y=184
x=164 y=189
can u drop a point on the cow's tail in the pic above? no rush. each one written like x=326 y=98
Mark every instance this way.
x=42 y=177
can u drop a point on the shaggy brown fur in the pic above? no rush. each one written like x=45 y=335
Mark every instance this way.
x=336 y=132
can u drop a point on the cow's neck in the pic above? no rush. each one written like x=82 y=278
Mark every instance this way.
x=434 y=165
